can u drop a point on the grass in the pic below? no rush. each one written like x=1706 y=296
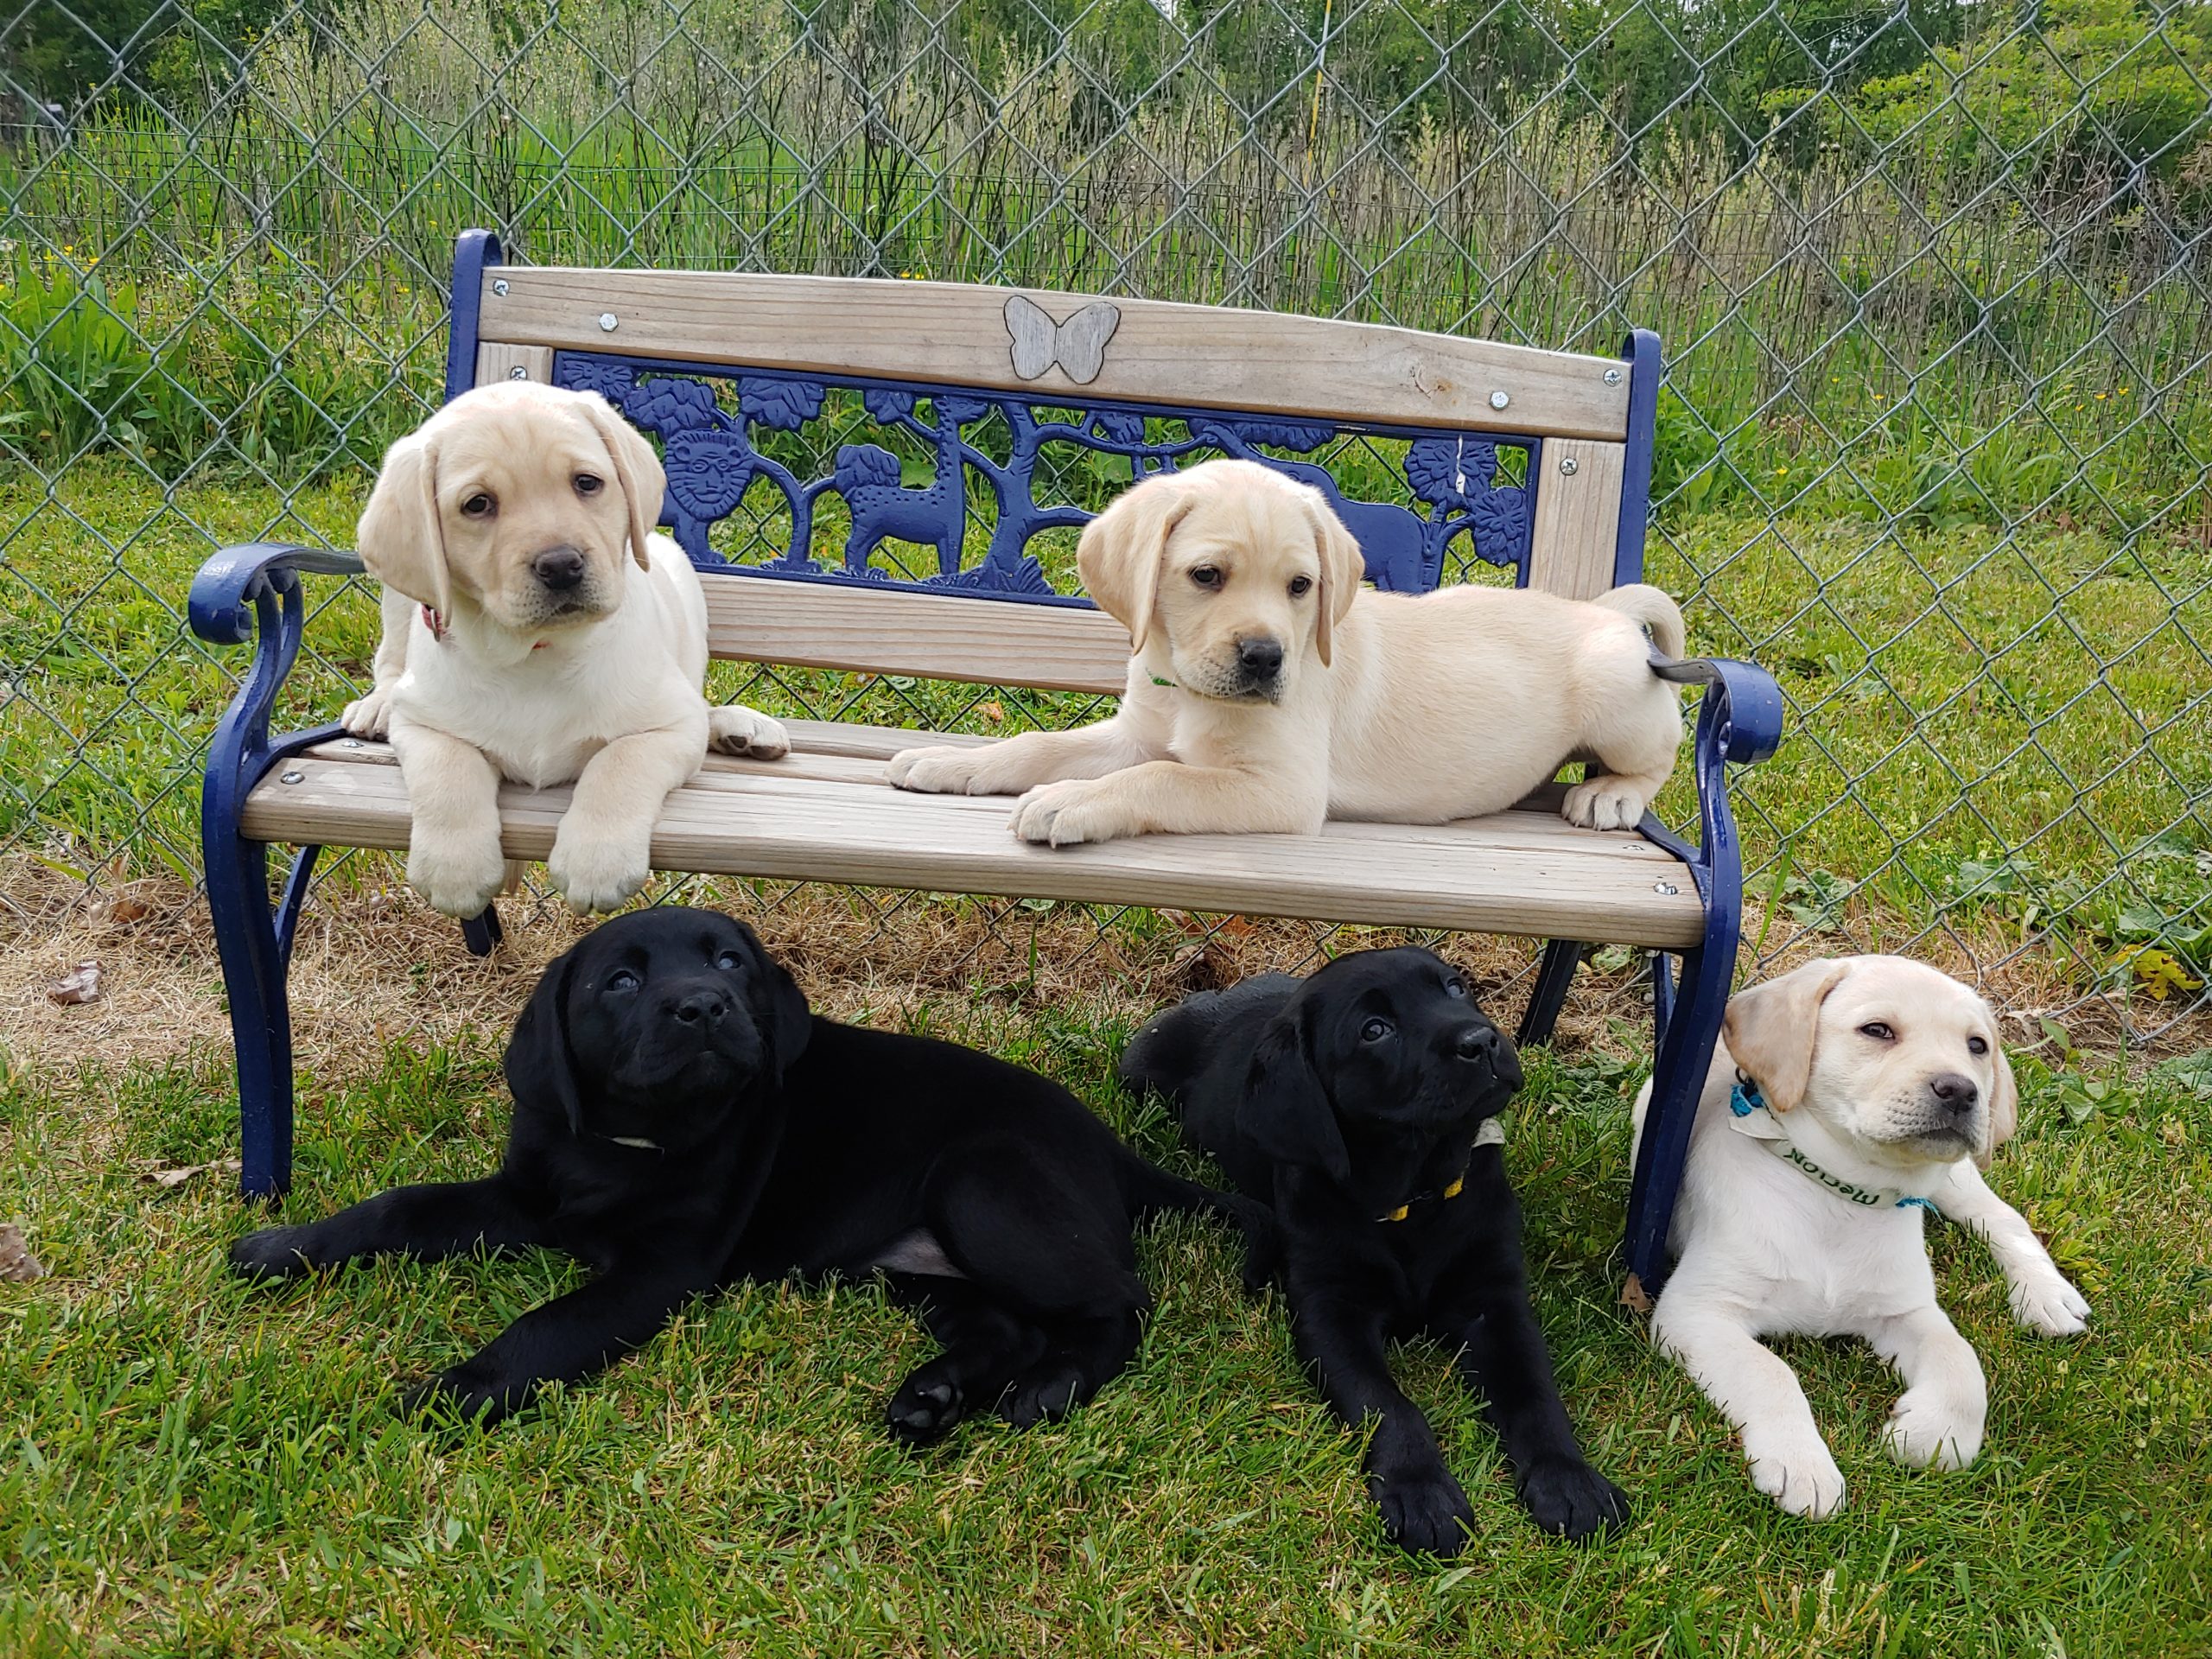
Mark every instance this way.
x=191 y=1467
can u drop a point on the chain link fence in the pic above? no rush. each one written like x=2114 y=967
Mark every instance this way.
x=1934 y=280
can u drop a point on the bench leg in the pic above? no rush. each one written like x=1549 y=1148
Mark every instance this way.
x=1561 y=958
x=1689 y=1024
x=252 y=940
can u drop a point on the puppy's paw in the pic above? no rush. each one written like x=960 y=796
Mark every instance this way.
x=454 y=1398
x=369 y=717
x=926 y=1407
x=941 y=770
x=1045 y=1393
x=270 y=1255
x=2048 y=1305
x=1799 y=1476
x=597 y=872
x=457 y=877
x=735 y=729
x=1074 y=810
x=1928 y=1431
x=1569 y=1499
x=1424 y=1511
x=1605 y=803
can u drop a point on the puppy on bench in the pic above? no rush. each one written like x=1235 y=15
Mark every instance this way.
x=514 y=647
x=1268 y=690
x=1846 y=1099
x=1361 y=1105
x=682 y=1121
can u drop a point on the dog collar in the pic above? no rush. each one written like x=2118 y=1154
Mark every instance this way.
x=437 y=625
x=1750 y=1117
x=1491 y=1133
x=1170 y=684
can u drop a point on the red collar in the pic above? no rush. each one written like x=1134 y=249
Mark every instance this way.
x=436 y=625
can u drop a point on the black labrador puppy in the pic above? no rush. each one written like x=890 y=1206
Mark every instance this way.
x=682 y=1121
x=1360 y=1104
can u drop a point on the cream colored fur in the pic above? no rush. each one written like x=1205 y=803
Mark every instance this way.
x=1389 y=708
x=1764 y=1251
x=600 y=686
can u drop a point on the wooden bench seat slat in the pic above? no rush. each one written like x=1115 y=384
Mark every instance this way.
x=1213 y=357
x=1488 y=875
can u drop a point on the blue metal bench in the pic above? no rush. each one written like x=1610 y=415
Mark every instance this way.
x=1447 y=458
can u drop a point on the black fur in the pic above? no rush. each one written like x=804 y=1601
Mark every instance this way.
x=1335 y=1100
x=780 y=1142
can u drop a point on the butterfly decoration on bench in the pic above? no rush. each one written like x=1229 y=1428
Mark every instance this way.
x=1078 y=346
x=963 y=440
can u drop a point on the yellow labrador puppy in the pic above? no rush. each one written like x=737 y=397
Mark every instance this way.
x=1845 y=1097
x=515 y=645
x=1268 y=689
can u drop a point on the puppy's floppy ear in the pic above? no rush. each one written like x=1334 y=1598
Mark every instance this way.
x=2004 y=1108
x=1343 y=567
x=778 y=1005
x=1121 y=550
x=401 y=535
x=637 y=469
x=1286 y=1112
x=539 y=1066
x=1771 y=1029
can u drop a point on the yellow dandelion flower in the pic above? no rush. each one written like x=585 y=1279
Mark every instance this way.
x=2123 y=392
x=2100 y=396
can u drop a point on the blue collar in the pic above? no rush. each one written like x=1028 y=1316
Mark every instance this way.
x=1751 y=1116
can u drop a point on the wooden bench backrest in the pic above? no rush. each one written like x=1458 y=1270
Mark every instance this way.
x=1584 y=422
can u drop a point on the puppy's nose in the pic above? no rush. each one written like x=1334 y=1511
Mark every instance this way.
x=702 y=1007
x=559 y=568
x=1259 y=657
x=1476 y=1043
x=1953 y=1092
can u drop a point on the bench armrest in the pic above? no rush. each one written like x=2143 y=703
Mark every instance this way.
x=1739 y=721
x=252 y=593
x=224 y=592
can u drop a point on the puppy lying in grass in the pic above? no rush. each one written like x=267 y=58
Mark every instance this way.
x=1847 y=1099
x=682 y=1121
x=515 y=647
x=1268 y=690
x=1361 y=1106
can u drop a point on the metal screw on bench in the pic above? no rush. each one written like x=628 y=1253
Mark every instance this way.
x=1568 y=466
x=609 y=321
x=1665 y=889
x=295 y=777
x=500 y=288
x=518 y=372
x=1613 y=377
x=350 y=743
x=1499 y=400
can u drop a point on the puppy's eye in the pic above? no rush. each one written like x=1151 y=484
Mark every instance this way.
x=623 y=980
x=1453 y=988
x=1301 y=586
x=1376 y=1030
x=1877 y=1030
x=1206 y=575
x=729 y=961
x=1975 y=1046
x=478 y=505
x=588 y=483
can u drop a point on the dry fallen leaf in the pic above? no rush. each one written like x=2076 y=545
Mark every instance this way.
x=179 y=1175
x=1633 y=1296
x=128 y=909
x=991 y=710
x=17 y=1261
x=80 y=986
